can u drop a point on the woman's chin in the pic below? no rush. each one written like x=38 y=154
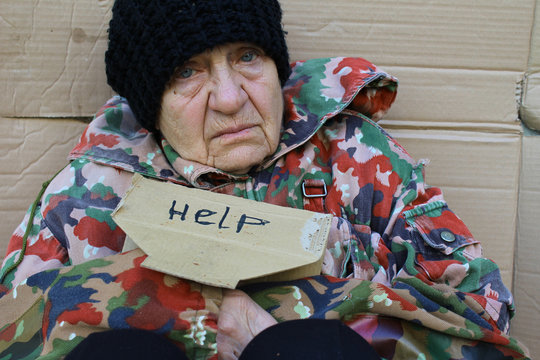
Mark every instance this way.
x=241 y=161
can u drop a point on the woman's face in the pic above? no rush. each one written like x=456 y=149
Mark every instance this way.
x=224 y=108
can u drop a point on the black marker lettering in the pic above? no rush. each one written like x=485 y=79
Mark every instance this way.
x=204 y=213
x=223 y=219
x=173 y=212
x=243 y=222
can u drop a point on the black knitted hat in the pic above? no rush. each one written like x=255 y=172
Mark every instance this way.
x=148 y=39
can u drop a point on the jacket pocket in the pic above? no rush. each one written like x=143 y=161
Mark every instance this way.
x=443 y=244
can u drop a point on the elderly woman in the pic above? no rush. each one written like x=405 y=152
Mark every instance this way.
x=208 y=100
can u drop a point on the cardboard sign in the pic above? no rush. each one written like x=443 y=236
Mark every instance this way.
x=220 y=239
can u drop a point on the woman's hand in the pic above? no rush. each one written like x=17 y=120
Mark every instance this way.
x=240 y=319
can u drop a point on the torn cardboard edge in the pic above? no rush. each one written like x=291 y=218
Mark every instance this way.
x=219 y=239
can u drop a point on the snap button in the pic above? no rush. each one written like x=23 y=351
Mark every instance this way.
x=448 y=236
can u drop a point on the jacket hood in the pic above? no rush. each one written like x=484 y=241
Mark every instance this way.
x=319 y=89
x=316 y=91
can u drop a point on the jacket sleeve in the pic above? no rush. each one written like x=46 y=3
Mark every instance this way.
x=433 y=249
x=396 y=230
x=72 y=222
x=52 y=311
x=38 y=252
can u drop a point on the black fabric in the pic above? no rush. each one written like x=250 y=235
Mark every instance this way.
x=148 y=39
x=313 y=339
x=126 y=344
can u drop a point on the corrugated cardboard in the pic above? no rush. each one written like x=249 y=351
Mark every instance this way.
x=486 y=34
x=31 y=151
x=527 y=278
x=527 y=269
x=218 y=239
x=530 y=105
x=457 y=60
x=51 y=57
x=443 y=52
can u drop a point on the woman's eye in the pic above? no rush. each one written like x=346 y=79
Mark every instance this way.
x=248 y=56
x=186 y=73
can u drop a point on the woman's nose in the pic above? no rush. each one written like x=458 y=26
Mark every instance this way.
x=227 y=94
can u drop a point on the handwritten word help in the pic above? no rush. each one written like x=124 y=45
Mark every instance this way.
x=205 y=216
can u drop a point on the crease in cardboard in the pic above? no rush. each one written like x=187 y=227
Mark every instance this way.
x=470 y=126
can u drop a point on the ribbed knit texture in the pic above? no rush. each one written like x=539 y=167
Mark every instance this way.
x=148 y=39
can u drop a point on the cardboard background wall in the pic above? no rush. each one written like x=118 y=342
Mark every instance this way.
x=460 y=66
x=527 y=279
x=530 y=105
x=52 y=79
x=527 y=267
x=31 y=151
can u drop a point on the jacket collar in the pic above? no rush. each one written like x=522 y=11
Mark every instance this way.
x=319 y=89
x=316 y=91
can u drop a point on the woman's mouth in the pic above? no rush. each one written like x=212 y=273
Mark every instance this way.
x=235 y=133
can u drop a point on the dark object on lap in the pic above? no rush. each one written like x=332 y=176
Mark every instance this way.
x=126 y=344
x=314 y=339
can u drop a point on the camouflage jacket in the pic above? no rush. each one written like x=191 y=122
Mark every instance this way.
x=400 y=268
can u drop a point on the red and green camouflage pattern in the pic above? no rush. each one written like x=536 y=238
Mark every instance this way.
x=400 y=268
